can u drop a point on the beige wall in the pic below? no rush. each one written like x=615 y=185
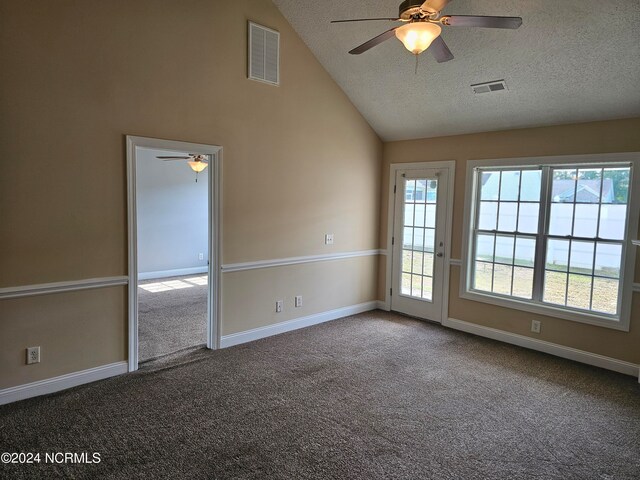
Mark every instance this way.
x=299 y=161
x=589 y=138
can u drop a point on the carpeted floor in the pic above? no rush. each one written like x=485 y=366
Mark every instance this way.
x=374 y=396
x=172 y=315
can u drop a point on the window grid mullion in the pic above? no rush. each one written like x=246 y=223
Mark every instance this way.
x=495 y=237
x=543 y=227
x=595 y=243
x=515 y=234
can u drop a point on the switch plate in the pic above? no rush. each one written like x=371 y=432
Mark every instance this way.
x=33 y=355
x=298 y=300
x=201 y=256
x=536 y=325
x=328 y=239
x=278 y=306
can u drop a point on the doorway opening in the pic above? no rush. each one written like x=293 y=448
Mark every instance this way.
x=420 y=218
x=174 y=247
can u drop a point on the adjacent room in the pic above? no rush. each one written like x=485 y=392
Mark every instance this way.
x=320 y=240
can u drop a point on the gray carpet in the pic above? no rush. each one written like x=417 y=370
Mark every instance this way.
x=171 y=320
x=372 y=396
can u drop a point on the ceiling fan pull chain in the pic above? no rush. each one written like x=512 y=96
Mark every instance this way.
x=416 y=72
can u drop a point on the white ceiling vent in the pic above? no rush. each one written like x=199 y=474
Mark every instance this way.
x=489 y=87
x=264 y=54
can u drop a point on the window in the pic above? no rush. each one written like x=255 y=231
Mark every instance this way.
x=551 y=237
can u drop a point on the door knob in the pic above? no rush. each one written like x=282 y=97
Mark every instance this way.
x=439 y=254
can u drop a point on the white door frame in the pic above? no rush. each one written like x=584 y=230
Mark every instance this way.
x=450 y=165
x=214 y=310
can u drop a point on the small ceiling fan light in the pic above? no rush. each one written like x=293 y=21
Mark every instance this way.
x=417 y=36
x=198 y=165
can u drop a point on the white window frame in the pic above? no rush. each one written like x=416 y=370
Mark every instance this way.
x=627 y=272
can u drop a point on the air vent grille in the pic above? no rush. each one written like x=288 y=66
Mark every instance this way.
x=264 y=54
x=489 y=87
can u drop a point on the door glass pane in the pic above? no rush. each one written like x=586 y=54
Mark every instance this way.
x=432 y=191
x=430 y=216
x=408 y=214
x=429 y=240
x=427 y=264
x=418 y=242
x=420 y=211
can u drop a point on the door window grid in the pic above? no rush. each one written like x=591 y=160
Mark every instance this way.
x=418 y=242
x=603 y=280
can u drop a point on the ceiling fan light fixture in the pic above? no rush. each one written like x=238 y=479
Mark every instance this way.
x=417 y=36
x=198 y=165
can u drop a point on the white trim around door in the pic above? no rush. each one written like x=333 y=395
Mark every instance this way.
x=215 y=235
x=450 y=166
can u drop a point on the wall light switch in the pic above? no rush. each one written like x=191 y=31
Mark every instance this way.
x=298 y=300
x=328 y=239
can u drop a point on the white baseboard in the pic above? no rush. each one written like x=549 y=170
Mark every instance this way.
x=295 y=324
x=172 y=273
x=546 y=347
x=382 y=305
x=62 y=382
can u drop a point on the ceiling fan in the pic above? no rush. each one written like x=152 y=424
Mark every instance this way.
x=422 y=27
x=197 y=162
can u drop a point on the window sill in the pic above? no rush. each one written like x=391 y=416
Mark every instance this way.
x=547 y=310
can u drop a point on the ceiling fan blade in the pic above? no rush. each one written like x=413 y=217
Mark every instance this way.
x=374 y=41
x=174 y=158
x=433 y=6
x=440 y=50
x=480 y=21
x=366 y=20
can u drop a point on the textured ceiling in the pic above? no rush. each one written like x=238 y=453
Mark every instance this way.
x=571 y=61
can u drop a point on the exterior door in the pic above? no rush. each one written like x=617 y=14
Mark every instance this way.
x=418 y=243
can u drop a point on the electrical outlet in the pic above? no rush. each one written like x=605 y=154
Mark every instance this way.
x=328 y=239
x=278 y=306
x=536 y=325
x=33 y=355
x=298 y=300
x=201 y=256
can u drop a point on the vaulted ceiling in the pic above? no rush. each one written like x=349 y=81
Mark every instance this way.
x=571 y=61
